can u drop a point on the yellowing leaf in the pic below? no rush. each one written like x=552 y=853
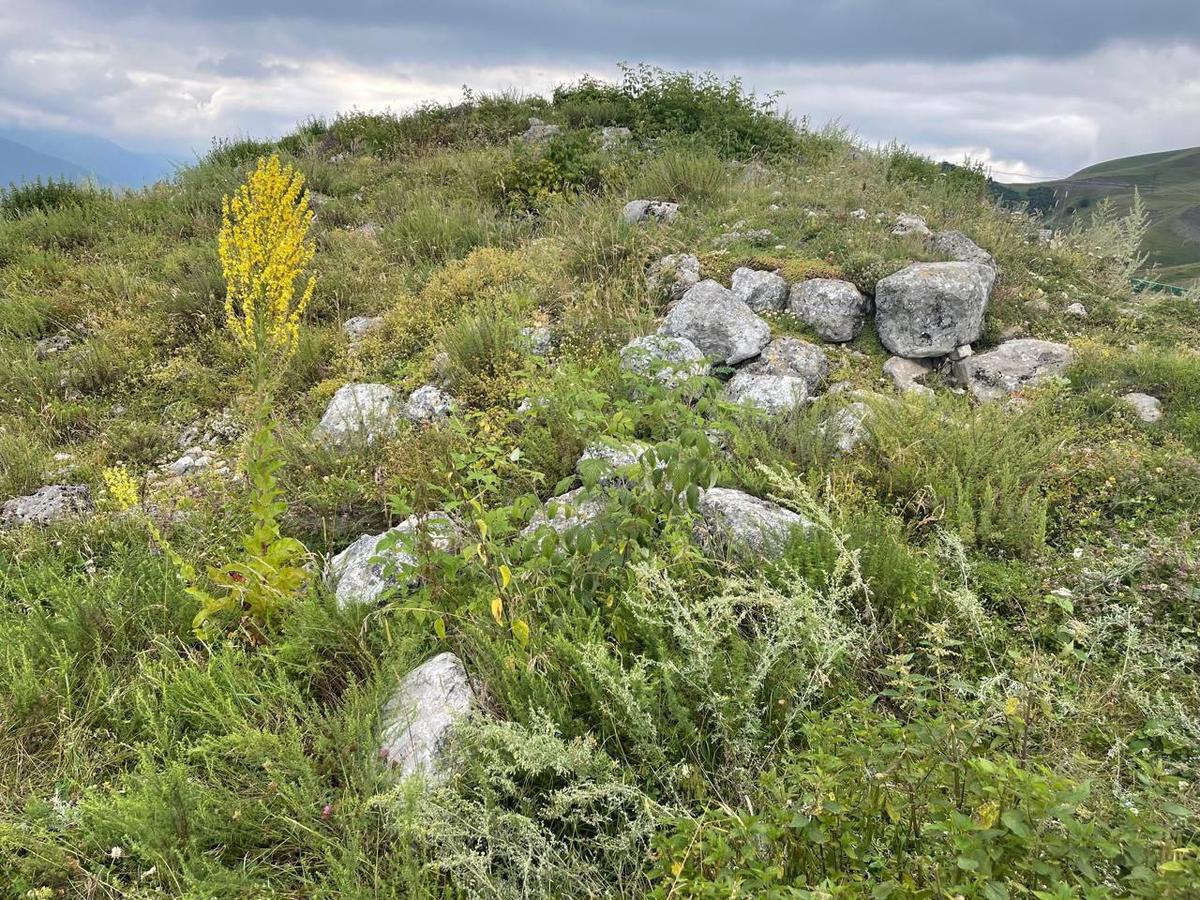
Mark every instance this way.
x=482 y=528
x=498 y=610
x=439 y=628
x=505 y=576
x=520 y=629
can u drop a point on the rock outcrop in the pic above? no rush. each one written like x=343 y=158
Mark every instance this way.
x=357 y=414
x=743 y=525
x=761 y=291
x=47 y=505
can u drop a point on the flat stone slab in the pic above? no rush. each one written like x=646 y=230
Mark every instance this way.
x=1011 y=367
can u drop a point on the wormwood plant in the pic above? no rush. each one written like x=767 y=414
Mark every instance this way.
x=265 y=251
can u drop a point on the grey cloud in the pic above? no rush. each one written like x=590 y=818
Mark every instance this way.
x=244 y=65
x=701 y=32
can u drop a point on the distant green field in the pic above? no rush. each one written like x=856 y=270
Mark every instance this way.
x=1169 y=183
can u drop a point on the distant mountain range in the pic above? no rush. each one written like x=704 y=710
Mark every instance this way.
x=1169 y=183
x=27 y=154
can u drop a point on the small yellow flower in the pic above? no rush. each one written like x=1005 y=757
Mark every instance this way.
x=122 y=489
x=1011 y=706
x=987 y=814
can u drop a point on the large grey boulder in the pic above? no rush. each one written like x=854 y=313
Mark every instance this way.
x=929 y=309
x=428 y=403
x=834 y=309
x=418 y=719
x=674 y=274
x=671 y=361
x=761 y=291
x=718 y=324
x=792 y=356
x=1011 y=367
x=636 y=211
x=1144 y=406
x=773 y=394
x=357 y=414
x=907 y=374
x=361 y=573
x=743 y=525
x=574 y=509
x=961 y=248
x=47 y=505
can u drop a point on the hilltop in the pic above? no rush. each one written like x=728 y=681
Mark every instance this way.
x=1169 y=184
x=692 y=503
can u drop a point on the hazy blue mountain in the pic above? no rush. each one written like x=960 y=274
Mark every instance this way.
x=51 y=153
x=20 y=163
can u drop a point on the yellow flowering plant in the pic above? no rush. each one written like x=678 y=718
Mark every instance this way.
x=265 y=252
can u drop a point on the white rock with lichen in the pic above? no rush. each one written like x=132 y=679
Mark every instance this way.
x=418 y=719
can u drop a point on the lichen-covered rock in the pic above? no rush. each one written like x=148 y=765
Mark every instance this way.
x=357 y=414
x=428 y=403
x=539 y=339
x=636 y=211
x=773 y=394
x=834 y=309
x=719 y=324
x=612 y=136
x=1077 y=309
x=761 y=291
x=418 y=719
x=910 y=223
x=675 y=274
x=847 y=426
x=539 y=132
x=614 y=461
x=1145 y=407
x=758 y=237
x=1012 y=366
x=359 y=327
x=47 y=505
x=669 y=360
x=907 y=374
x=928 y=309
x=361 y=574
x=570 y=510
x=47 y=347
x=961 y=248
x=792 y=356
x=741 y=524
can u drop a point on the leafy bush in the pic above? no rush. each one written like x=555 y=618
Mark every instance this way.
x=569 y=163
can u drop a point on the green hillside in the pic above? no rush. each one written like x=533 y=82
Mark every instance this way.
x=764 y=619
x=1169 y=184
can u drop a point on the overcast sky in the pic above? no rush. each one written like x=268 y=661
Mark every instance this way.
x=1031 y=87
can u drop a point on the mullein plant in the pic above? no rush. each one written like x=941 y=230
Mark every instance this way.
x=265 y=252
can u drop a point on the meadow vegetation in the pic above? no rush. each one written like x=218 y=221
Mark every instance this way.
x=978 y=676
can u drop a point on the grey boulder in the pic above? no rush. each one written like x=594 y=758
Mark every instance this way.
x=1145 y=407
x=834 y=309
x=539 y=132
x=961 y=248
x=47 y=505
x=792 y=356
x=910 y=223
x=636 y=211
x=907 y=374
x=743 y=525
x=929 y=309
x=719 y=324
x=847 y=427
x=674 y=274
x=671 y=361
x=773 y=394
x=359 y=327
x=357 y=414
x=1011 y=367
x=418 y=719
x=428 y=403
x=761 y=291
x=574 y=509
x=361 y=573
x=614 y=461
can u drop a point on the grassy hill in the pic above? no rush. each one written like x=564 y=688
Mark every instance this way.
x=974 y=673
x=1169 y=184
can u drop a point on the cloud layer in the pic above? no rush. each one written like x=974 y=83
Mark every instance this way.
x=1030 y=90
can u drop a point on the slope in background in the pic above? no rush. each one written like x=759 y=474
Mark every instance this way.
x=27 y=154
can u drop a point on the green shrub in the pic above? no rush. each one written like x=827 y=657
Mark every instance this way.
x=684 y=174
x=485 y=358
x=569 y=163
x=53 y=194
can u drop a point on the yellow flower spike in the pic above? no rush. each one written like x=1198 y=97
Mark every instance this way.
x=265 y=251
x=122 y=489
